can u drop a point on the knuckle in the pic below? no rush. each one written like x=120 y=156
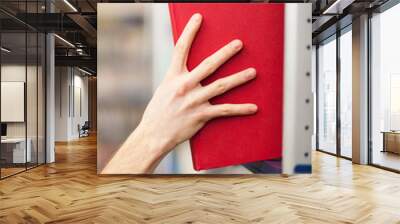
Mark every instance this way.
x=226 y=110
x=208 y=65
x=186 y=106
x=220 y=86
x=209 y=70
x=182 y=89
x=191 y=102
x=202 y=116
x=182 y=109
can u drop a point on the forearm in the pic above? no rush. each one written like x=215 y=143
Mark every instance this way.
x=140 y=153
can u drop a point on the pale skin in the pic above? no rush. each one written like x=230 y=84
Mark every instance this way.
x=180 y=106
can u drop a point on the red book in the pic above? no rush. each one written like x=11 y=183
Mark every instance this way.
x=238 y=140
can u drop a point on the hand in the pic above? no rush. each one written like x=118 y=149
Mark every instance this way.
x=180 y=107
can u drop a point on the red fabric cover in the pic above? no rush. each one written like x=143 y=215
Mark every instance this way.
x=237 y=140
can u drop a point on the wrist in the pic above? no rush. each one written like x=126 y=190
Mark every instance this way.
x=140 y=153
x=157 y=145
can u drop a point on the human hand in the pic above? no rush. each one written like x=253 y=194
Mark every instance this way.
x=180 y=107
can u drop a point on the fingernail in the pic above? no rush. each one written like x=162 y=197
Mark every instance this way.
x=251 y=73
x=237 y=44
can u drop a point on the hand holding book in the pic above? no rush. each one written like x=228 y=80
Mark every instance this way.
x=180 y=106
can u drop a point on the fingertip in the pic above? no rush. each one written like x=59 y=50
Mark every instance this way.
x=253 y=108
x=237 y=44
x=252 y=70
x=197 y=17
x=251 y=73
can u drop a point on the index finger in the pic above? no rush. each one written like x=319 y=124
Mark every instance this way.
x=182 y=47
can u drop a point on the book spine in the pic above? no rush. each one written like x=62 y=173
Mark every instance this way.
x=172 y=15
x=174 y=19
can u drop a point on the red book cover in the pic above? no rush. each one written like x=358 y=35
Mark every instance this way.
x=238 y=140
